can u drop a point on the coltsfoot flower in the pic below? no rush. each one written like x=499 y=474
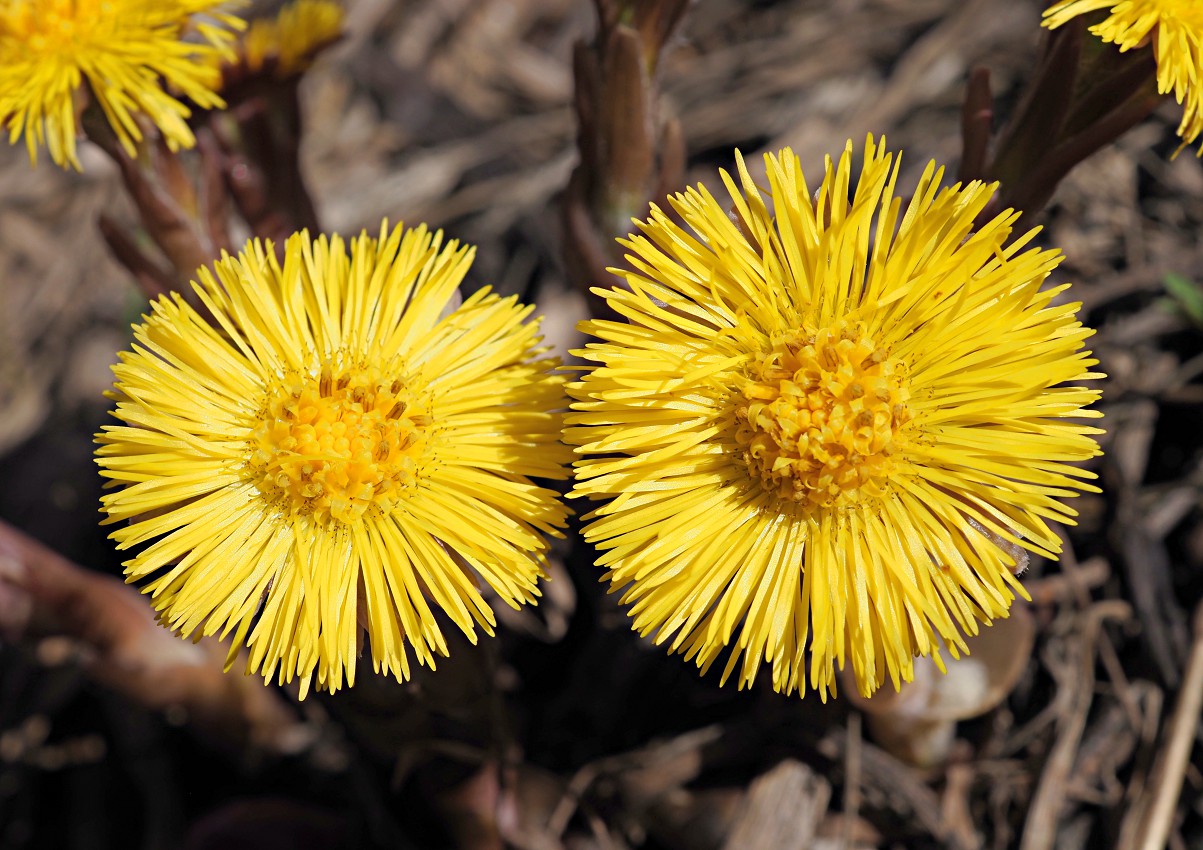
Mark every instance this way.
x=293 y=37
x=827 y=423
x=337 y=451
x=136 y=57
x=1176 y=29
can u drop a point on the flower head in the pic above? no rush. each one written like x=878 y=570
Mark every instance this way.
x=827 y=424
x=293 y=37
x=1176 y=27
x=133 y=56
x=338 y=450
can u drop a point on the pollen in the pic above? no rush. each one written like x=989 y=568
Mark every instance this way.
x=340 y=443
x=49 y=31
x=818 y=421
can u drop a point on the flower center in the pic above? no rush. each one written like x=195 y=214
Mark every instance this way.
x=340 y=444
x=818 y=420
x=48 y=28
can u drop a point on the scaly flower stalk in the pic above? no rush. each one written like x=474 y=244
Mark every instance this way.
x=1175 y=28
x=630 y=154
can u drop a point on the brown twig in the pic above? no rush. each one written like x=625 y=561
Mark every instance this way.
x=1170 y=768
x=1068 y=586
x=1107 y=746
x=955 y=811
x=1076 y=673
x=1137 y=792
x=782 y=810
x=897 y=782
x=1106 y=649
x=123 y=647
x=1146 y=566
x=852 y=778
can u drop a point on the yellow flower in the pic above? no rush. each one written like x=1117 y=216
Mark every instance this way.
x=293 y=37
x=125 y=53
x=339 y=450
x=1176 y=27
x=824 y=424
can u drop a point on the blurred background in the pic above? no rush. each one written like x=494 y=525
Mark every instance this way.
x=568 y=731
